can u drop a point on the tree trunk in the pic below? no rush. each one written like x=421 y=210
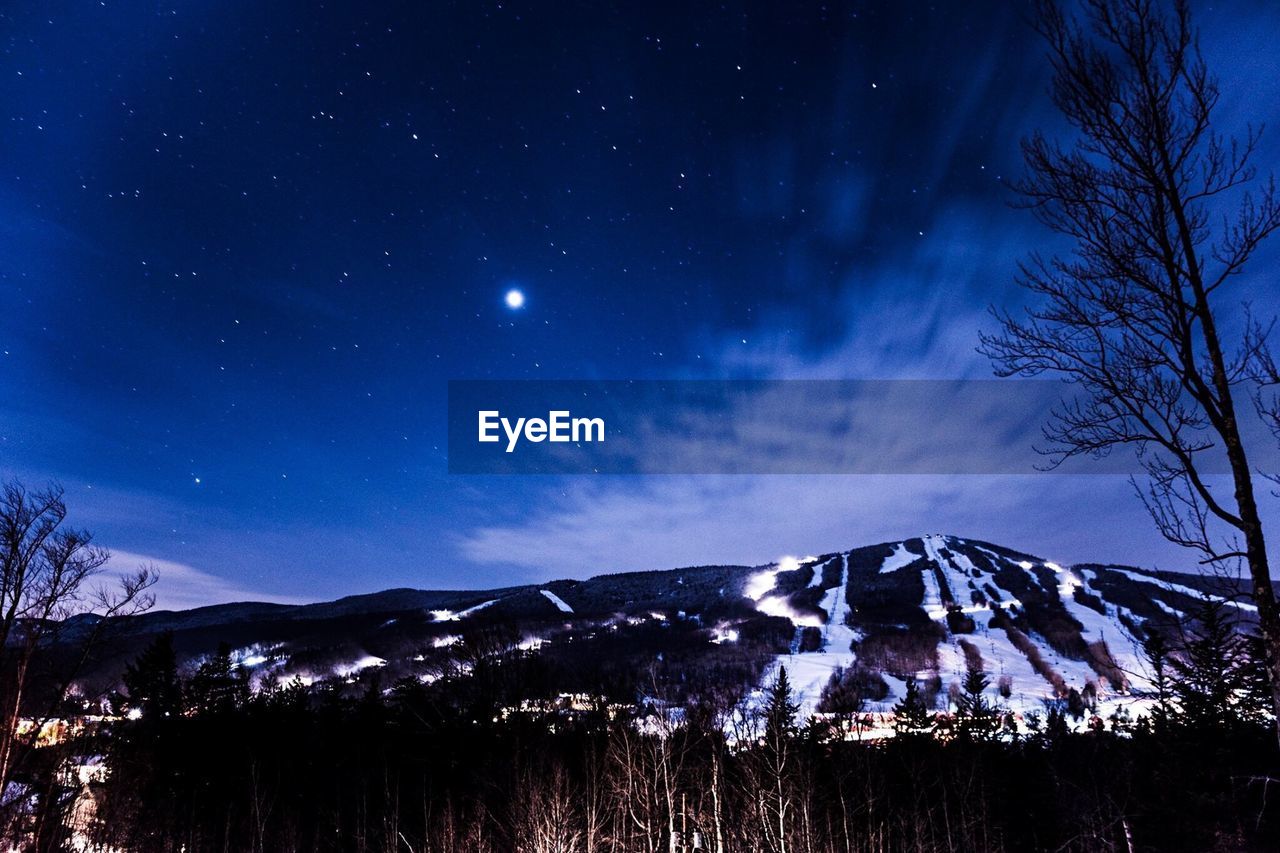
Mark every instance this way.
x=1249 y=522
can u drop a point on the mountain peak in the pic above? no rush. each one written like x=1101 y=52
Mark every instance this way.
x=851 y=627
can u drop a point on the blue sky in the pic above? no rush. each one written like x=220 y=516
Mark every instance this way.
x=246 y=246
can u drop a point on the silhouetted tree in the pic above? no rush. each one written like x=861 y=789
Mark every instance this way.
x=1155 y=649
x=975 y=716
x=1253 y=702
x=912 y=716
x=1209 y=670
x=781 y=710
x=1156 y=202
x=152 y=680
x=216 y=686
x=45 y=571
x=774 y=794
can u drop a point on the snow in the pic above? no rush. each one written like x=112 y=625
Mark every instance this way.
x=724 y=635
x=809 y=672
x=286 y=680
x=835 y=604
x=759 y=585
x=446 y=615
x=958 y=575
x=932 y=602
x=256 y=655
x=557 y=601
x=1000 y=656
x=761 y=582
x=900 y=558
x=1185 y=590
x=1124 y=649
x=363 y=663
x=778 y=605
x=480 y=606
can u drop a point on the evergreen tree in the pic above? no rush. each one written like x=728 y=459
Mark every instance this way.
x=912 y=716
x=1055 y=722
x=781 y=710
x=975 y=715
x=1209 y=670
x=1156 y=650
x=1254 y=701
x=217 y=686
x=152 y=680
x=777 y=756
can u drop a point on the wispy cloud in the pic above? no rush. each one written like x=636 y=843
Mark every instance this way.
x=182 y=587
x=629 y=523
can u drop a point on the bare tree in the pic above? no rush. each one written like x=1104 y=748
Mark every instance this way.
x=1164 y=219
x=549 y=818
x=45 y=570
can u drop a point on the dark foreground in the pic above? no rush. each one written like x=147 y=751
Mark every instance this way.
x=295 y=771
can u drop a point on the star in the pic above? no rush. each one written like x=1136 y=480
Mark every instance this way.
x=515 y=299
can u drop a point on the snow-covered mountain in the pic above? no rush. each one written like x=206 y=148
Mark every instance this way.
x=927 y=607
x=850 y=627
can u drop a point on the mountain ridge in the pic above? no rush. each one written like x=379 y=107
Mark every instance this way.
x=851 y=626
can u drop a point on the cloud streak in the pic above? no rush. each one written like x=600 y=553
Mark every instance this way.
x=625 y=524
x=181 y=587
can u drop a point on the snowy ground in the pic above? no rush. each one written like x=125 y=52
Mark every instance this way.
x=557 y=601
x=809 y=672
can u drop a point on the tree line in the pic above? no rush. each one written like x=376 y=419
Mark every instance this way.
x=205 y=763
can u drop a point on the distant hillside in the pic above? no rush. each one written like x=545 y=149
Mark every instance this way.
x=849 y=626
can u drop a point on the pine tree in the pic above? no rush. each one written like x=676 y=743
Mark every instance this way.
x=1055 y=722
x=1254 y=700
x=912 y=716
x=1156 y=650
x=152 y=680
x=216 y=686
x=976 y=717
x=776 y=783
x=780 y=713
x=1208 y=670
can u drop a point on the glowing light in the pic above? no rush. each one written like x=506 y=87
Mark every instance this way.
x=761 y=582
x=515 y=298
x=724 y=635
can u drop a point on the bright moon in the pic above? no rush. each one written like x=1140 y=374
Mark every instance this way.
x=515 y=299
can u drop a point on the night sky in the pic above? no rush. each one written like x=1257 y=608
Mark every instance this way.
x=245 y=245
